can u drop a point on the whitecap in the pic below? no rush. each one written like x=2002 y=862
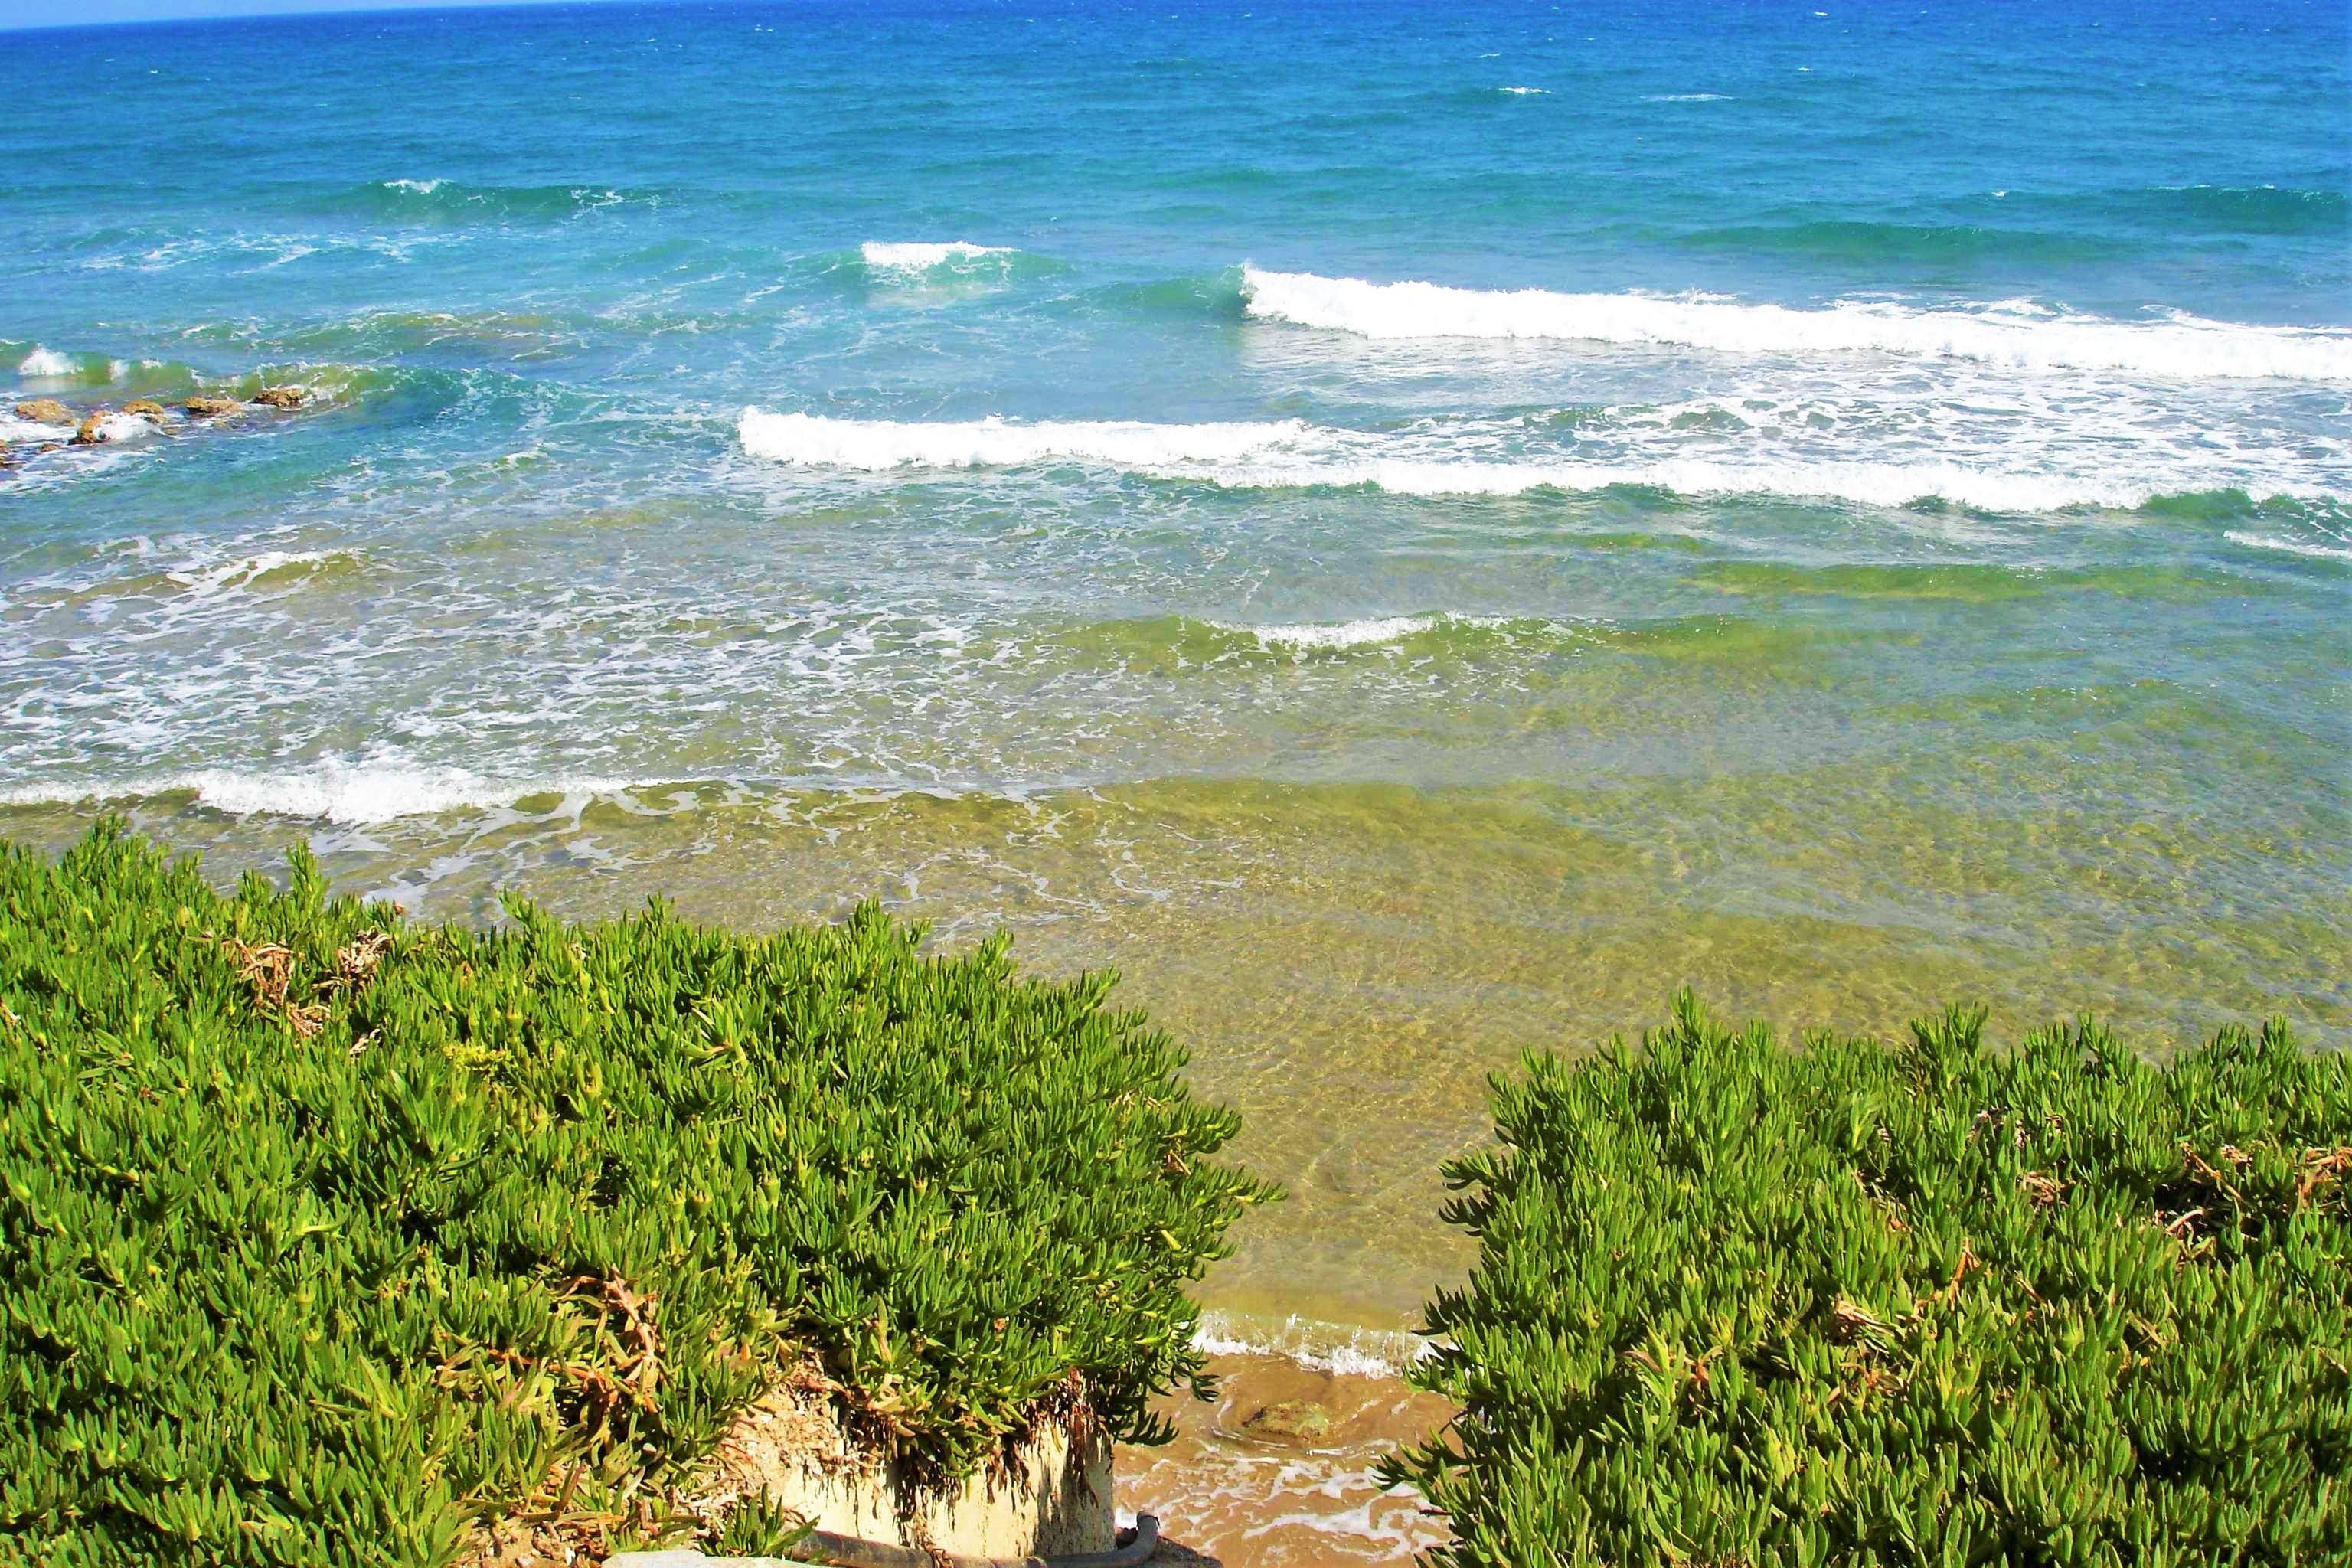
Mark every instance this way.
x=47 y=365
x=2179 y=345
x=913 y=258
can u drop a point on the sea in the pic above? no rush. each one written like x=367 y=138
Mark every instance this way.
x=1409 y=532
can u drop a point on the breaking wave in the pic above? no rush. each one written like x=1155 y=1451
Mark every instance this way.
x=913 y=259
x=2015 y=335
x=351 y=793
x=873 y=446
x=1291 y=455
x=47 y=365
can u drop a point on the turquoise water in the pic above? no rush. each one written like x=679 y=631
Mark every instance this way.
x=1411 y=530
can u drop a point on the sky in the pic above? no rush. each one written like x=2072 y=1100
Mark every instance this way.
x=85 y=13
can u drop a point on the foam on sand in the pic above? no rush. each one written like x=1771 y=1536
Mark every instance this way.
x=2014 y=334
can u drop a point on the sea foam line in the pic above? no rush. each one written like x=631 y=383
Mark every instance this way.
x=873 y=446
x=2292 y=546
x=1291 y=455
x=325 y=791
x=2015 y=336
x=1368 y=632
x=1316 y=1346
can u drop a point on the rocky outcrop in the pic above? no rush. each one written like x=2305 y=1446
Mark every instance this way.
x=211 y=408
x=146 y=409
x=92 y=432
x=45 y=411
x=281 y=397
x=1293 y=1421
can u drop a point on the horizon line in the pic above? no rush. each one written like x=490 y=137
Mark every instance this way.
x=331 y=13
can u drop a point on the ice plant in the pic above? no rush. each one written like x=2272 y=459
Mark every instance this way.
x=323 y=1231
x=1925 y=1303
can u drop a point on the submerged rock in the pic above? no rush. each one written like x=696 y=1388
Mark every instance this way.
x=1293 y=1421
x=45 y=411
x=92 y=432
x=146 y=409
x=281 y=397
x=211 y=408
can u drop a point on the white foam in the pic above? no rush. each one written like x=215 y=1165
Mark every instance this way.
x=244 y=572
x=913 y=258
x=1343 y=634
x=1334 y=1348
x=324 y=791
x=872 y=446
x=1523 y=92
x=1870 y=484
x=124 y=427
x=1688 y=98
x=1368 y=632
x=13 y=430
x=47 y=364
x=1289 y=454
x=2009 y=335
x=414 y=187
x=2292 y=546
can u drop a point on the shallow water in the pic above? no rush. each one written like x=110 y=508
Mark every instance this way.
x=1410 y=535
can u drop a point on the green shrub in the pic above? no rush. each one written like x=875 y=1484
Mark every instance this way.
x=325 y=1231
x=1925 y=1303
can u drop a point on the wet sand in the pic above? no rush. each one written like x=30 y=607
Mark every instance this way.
x=1258 y=1500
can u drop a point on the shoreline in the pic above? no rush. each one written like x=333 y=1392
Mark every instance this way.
x=1268 y=1494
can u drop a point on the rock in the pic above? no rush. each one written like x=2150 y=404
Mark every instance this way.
x=48 y=446
x=281 y=397
x=92 y=432
x=45 y=411
x=1296 y=1422
x=211 y=408
x=150 y=411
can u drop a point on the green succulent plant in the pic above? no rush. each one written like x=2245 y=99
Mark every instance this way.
x=324 y=1232
x=1919 y=1303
